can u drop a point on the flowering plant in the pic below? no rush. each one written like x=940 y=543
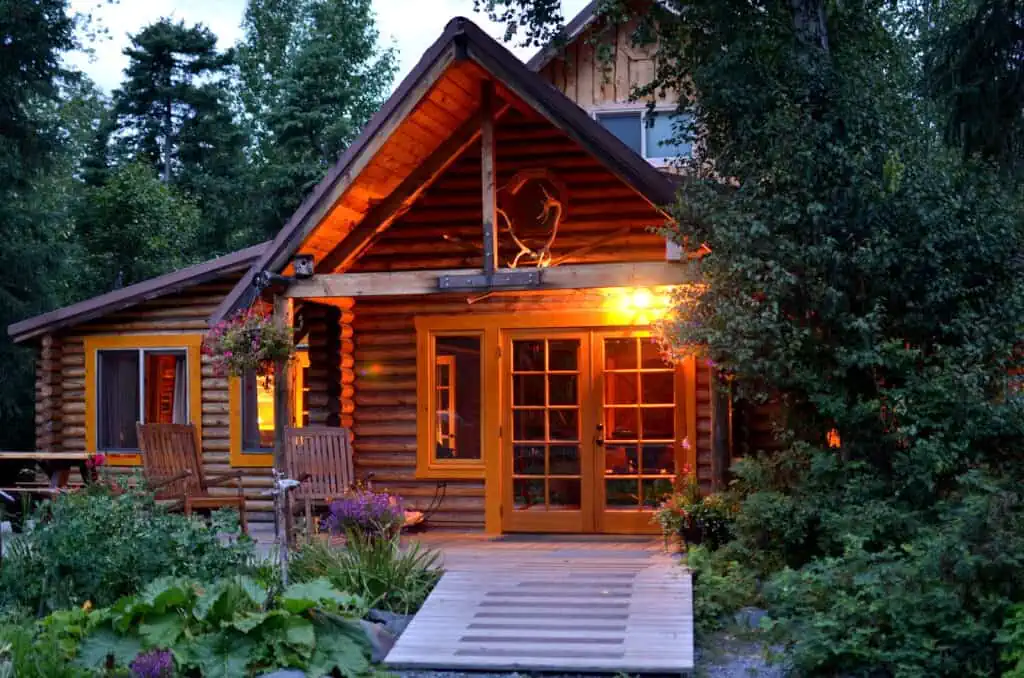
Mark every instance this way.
x=153 y=664
x=250 y=340
x=698 y=519
x=366 y=512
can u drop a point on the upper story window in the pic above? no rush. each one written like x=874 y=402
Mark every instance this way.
x=649 y=133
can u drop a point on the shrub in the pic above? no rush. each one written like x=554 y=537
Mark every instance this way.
x=721 y=586
x=98 y=545
x=366 y=512
x=932 y=606
x=29 y=649
x=380 y=570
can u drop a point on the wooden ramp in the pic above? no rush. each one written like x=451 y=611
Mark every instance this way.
x=554 y=606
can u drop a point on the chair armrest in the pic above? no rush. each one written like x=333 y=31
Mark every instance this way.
x=304 y=477
x=167 y=481
x=223 y=478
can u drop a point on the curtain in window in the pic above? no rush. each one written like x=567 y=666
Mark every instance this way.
x=118 y=400
x=179 y=412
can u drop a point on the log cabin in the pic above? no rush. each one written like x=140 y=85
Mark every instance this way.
x=486 y=264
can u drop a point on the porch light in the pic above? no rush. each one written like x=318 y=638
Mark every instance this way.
x=638 y=305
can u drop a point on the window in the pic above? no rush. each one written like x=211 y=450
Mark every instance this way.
x=451 y=369
x=457 y=393
x=648 y=133
x=139 y=385
x=258 y=406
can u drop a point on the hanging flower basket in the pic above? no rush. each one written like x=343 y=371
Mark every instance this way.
x=249 y=341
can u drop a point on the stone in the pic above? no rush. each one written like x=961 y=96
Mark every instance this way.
x=749 y=617
x=381 y=640
x=392 y=621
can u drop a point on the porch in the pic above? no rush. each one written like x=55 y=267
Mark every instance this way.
x=567 y=604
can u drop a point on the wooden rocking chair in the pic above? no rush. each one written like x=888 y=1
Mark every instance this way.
x=173 y=469
x=320 y=458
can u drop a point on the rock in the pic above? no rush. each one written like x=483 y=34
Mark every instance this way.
x=749 y=617
x=392 y=621
x=381 y=640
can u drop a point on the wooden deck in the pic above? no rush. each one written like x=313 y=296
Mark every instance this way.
x=566 y=605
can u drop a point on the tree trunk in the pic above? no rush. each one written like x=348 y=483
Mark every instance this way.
x=809 y=22
x=168 y=129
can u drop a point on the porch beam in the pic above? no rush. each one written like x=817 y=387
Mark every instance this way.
x=284 y=316
x=577 y=276
x=487 y=174
x=384 y=213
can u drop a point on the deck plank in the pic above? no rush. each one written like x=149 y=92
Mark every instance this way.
x=553 y=606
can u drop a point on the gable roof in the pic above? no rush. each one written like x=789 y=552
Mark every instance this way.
x=134 y=294
x=462 y=41
x=579 y=23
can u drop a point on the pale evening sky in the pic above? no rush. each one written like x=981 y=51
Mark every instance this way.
x=410 y=25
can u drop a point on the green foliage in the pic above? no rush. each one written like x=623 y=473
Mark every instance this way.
x=33 y=650
x=232 y=627
x=380 y=570
x=311 y=75
x=1011 y=638
x=721 y=586
x=136 y=227
x=98 y=546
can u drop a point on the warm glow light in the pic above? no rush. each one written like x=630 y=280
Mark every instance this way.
x=833 y=438
x=642 y=299
x=639 y=305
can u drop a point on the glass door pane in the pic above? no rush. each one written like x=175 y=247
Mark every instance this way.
x=546 y=427
x=639 y=420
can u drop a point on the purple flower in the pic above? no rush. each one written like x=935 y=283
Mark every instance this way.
x=153 y=664
x=368 y=512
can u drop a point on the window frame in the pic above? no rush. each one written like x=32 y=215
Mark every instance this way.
x=642 y=109
x=238 y=455
x=428 y=466
x=191 y=344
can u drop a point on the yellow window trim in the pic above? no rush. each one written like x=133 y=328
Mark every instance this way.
x=239 y=457
x=192 y=343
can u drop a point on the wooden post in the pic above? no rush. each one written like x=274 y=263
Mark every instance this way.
x=283 y=316
x=721 y=431
x=487 y=177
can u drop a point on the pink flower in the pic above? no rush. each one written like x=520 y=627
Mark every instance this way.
x=227 y=354
x=99 y=459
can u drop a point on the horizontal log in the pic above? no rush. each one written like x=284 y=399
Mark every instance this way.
x=216 y=420
x=374 y=340
x=215 y=395
x=581 y=276
x=378 y=384
x=73 y=419
x=371 y=414
x=215 y=384
x=215 y=408
x=74 y=432
x=402 y=352
x=403 y=428
x=390 y=445
x=203 y=309
x=216 y=444
x=371 y=460
x=604 y=255
x=183 y=324
x=378 y=369
x=386 y=398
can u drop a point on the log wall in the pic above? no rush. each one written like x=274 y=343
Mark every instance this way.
x=60 y=382
x=385 y=394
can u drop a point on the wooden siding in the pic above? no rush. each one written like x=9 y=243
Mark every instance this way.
x=605 y=220
x=385 y=393
x=580 y=74
x=62 y=372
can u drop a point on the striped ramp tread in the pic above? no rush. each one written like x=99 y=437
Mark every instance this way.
x=557 y=610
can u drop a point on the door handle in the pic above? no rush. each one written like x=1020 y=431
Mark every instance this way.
x=599 y=440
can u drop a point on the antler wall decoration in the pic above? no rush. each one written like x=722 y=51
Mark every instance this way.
x=533 y=233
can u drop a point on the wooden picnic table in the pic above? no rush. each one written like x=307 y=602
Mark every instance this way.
x=56 y=465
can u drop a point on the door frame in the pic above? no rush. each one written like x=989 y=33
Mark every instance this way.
x=492 y=325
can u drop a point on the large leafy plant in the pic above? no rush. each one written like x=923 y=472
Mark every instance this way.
x=232 y=627
x=101 y=544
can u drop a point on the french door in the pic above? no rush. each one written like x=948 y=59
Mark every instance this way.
x=592 y=430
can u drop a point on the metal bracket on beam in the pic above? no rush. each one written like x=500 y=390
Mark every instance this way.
x=498 y=280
